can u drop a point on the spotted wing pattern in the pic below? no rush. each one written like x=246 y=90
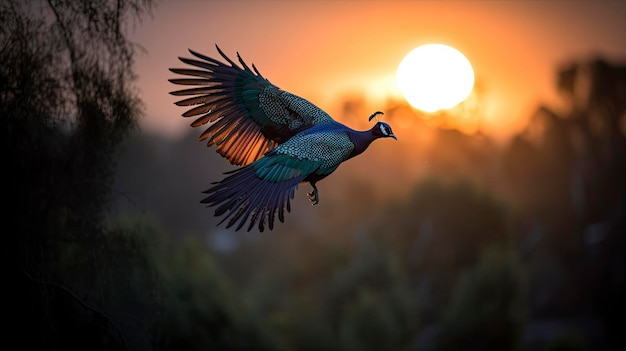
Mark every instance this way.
x=261 y=190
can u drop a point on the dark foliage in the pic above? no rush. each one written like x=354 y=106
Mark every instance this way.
x=66 y=103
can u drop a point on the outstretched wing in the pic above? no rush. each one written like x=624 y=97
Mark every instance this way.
x=247 y=115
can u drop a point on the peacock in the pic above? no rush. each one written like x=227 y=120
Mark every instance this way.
x=279 y=139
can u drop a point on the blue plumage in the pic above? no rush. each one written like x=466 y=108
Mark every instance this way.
x=280 y=139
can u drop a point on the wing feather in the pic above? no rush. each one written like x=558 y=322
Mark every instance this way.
x=245 y=115
x=190 y=81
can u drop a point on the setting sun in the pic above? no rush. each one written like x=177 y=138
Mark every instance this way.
x=435 y=77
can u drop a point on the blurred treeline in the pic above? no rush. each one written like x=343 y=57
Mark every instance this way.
x=441 y=241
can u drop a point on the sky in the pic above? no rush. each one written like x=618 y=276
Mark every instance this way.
x=326 y=51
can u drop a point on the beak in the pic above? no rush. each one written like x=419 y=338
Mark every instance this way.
x=393 y=136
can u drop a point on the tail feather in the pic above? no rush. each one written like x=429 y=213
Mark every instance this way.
x=253 y=198
x=254 y=211
x=243 y=197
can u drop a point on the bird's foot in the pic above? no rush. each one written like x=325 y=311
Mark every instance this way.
x=313 y=196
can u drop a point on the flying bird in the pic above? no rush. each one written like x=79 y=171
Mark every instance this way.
x=278 y=138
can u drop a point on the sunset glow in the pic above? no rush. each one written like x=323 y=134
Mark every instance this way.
x=513 y=59
x=435 y=77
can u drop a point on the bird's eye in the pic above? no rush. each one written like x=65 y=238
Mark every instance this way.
x=384 y=130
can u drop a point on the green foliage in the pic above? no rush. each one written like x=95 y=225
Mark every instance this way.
x=201 y=310
x=454 y=220
x=371 y=301
x=370 y=323
x=568 y=343
x=489 y=307
x=438 y=230
x=192 y=304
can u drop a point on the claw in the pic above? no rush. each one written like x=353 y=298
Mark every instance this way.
x=313 y=196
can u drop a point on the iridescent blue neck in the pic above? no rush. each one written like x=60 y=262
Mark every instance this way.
x=361 y=140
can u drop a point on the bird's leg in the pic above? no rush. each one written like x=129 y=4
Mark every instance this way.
x=313 y=196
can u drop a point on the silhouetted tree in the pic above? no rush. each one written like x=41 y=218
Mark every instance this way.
x=567 y=174
x=66 y=102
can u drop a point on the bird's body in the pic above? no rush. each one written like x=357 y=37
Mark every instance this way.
x=279 y=138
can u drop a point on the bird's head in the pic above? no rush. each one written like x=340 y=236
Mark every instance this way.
x=383 y=130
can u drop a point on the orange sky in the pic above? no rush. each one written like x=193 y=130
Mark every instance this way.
x=325 y=50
